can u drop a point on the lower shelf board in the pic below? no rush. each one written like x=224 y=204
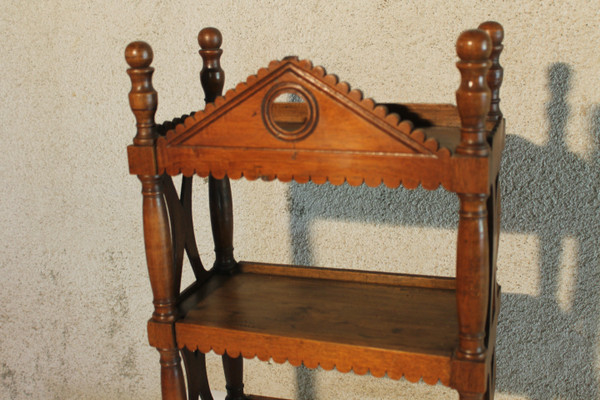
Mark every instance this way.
x=350 y=320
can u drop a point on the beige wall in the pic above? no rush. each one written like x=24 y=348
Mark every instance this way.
x=74 y=294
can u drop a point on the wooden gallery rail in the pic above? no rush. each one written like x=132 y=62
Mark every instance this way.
x=294 y=121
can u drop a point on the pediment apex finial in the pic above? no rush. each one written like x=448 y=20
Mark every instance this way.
x=139 y=55
x=210 y=39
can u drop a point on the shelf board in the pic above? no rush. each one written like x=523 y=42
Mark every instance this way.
x=385 y=323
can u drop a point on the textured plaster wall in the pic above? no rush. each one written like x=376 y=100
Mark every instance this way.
x=74 y=291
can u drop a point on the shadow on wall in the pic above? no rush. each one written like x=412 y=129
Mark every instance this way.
x=547 y=347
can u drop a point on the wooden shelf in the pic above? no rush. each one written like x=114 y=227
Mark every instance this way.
x=378 y=322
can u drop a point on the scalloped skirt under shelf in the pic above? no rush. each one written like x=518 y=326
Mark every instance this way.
x=349 y=320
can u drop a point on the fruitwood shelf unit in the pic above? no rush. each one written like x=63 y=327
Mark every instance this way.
x=295 y=121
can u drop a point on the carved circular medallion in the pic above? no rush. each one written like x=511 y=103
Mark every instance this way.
x=289 y=111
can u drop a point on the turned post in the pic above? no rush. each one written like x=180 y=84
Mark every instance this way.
x=496 y=72
x=472 y=269
x=143 y=100
x=473 y=96
x=212 y=78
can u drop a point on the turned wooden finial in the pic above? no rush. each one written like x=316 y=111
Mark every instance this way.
x=212 y=77
x=143 y=99
x=473 y=96
x=496 y=72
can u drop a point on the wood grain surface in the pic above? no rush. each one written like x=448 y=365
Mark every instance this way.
x=295 y=121
x=316 y=320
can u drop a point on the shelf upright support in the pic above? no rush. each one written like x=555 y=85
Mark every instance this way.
x=143 y=100
x=212 y=78
x=473 y=98
x=494 y=81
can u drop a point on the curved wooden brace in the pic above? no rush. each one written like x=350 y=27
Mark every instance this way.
x=197 y=379
x=182 y=228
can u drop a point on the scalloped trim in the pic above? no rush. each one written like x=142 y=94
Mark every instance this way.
x=328 y=366
x=168 y=125
x=399 y=127
x=391 y=183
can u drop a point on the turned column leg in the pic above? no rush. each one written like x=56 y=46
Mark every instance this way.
x=143 y=100
x=159 y=256
x=234 y=375
x=473 y=99
x=171 y=375
x=212 y=78
x=221 y=217
x=472 y=276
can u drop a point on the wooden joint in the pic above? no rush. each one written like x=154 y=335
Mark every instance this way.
x=473 y=206
x=165 y=311
x=142 y=160
x=161 y=335
x=469 y=376
x=226 y=265
x=472 y=275
x=472 y=345
x=169 y=357
x=235 y=392
x=152 y=185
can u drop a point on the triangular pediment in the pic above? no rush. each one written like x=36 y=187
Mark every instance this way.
x=322 y=131
x=335 y=118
